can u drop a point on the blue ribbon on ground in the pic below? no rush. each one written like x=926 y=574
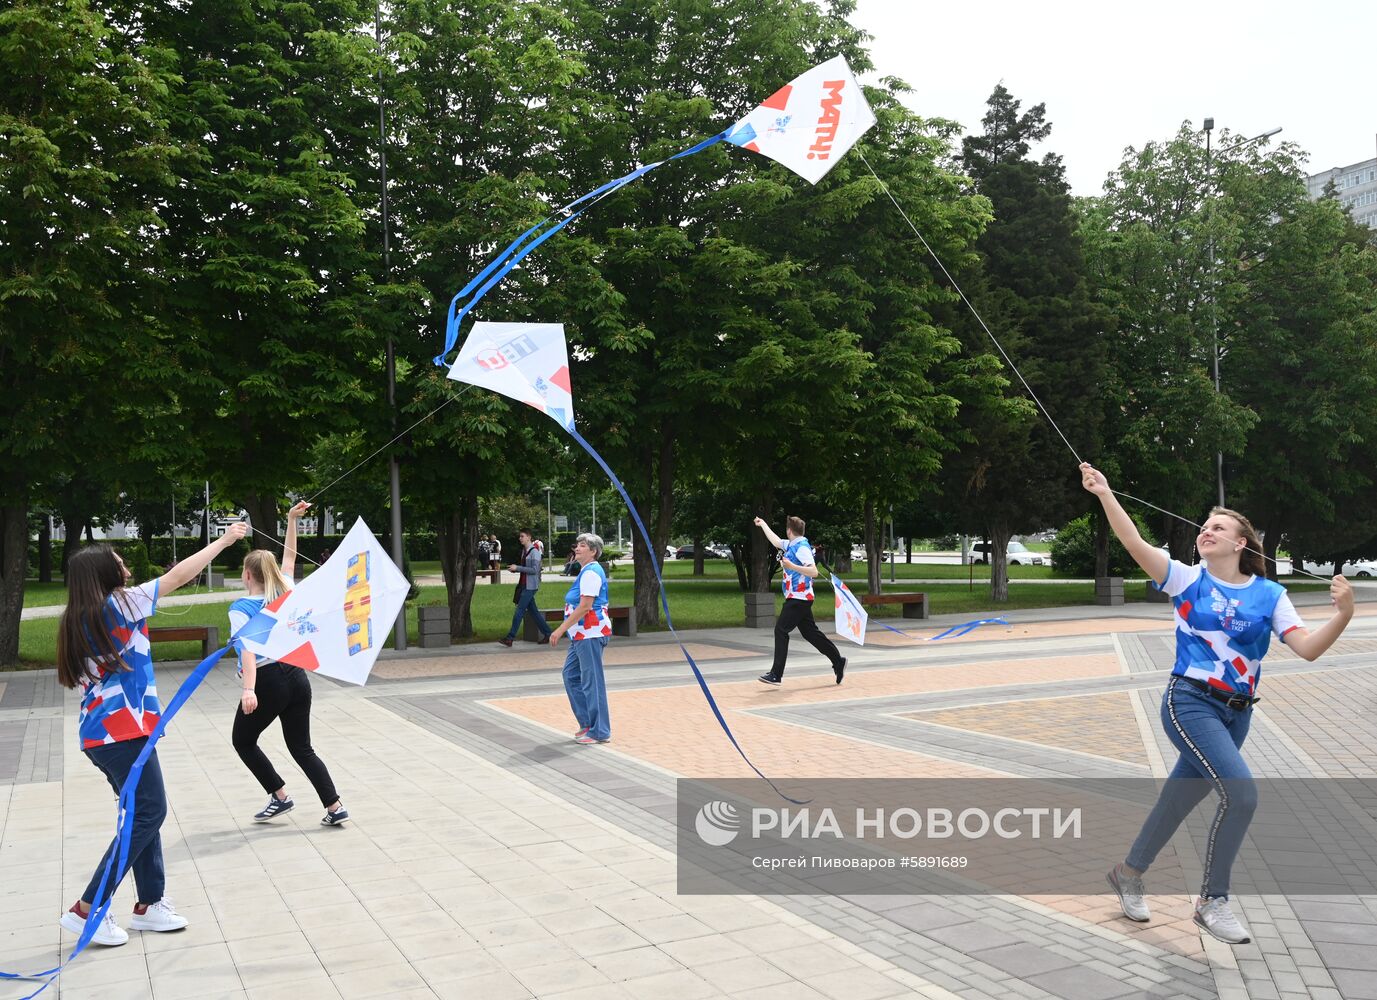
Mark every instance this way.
x=951 y=633
x=501 y=265
x=124 y=824
x=664 y=603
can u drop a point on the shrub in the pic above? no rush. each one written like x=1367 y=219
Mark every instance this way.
x=1073 y=550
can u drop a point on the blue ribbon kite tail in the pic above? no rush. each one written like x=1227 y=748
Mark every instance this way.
x=501 y=265
x=664 y=603
x=951 y=633
x=125 y=824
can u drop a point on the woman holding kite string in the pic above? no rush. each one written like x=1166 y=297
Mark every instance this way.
x=1226 y=613
x=273 y=690
x=103 y=649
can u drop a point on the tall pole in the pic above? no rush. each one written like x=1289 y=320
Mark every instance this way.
x=549 y=522
x=1214 y=315
x=595 y=513
x=393 y=469
x=207 y=530
x=1214 y=312
x=174 y=530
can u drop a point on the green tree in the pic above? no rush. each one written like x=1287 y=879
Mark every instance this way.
x=479 y=96
x=1031 y=289
x=1148 y=243
x=85 y=162
x=272 y=272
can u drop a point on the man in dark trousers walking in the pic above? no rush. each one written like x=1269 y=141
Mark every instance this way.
x=797 y=562
x=527 y=585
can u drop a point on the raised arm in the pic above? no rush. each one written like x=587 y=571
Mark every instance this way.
x=1153 y=560
x=1310 y=645
x=289 y=543
x=190 y=567
x=770 y=536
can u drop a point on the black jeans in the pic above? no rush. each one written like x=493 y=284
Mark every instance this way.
x=150 y=809
x=283 y=692
x=799 y=615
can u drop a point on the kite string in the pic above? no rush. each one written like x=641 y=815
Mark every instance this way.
x=1014 y=368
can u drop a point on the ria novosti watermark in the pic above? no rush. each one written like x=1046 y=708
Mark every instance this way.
x=857 y=836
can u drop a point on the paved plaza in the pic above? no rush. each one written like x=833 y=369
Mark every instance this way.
x=491 y=857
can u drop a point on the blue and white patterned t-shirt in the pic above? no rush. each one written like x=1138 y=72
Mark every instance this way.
x=797 y=587
x=118 y=705
x=1223 y=630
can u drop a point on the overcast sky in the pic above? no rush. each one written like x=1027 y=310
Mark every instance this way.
x=1119 y=74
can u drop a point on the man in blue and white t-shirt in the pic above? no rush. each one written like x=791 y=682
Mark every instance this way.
x=799 y=570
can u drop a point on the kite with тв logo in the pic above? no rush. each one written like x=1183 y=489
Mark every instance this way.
x=806 y=125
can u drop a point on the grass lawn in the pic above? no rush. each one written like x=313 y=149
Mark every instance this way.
x=41 y=595
x=716 y=603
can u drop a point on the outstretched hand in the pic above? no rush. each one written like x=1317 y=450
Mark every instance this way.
x=299 y=508
x=760 y=522
x=1094 y=481
x=1341 y=594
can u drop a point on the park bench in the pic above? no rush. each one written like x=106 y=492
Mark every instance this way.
x=493 y=575
x=623 y=621
x=914 y=605
x=207 y=635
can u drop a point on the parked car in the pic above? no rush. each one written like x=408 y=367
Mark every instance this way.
x=1354 y=567
x=1016 y=554
x=709 y=552
x=858 y=554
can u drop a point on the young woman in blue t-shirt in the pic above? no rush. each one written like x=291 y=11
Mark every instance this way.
x=271 y=690
x=103 y=649
x=1226 y=614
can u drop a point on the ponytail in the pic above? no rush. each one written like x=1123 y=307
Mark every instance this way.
x=262 y=566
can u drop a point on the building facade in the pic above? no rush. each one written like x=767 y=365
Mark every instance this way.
x=1354 y=185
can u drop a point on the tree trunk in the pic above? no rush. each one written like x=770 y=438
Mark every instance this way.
x=697 y=555
x=1271 y=541
x=14 y=567
x=1101 y=543
x=872 y=550
x=999 y=562
x=740 y=558
x=457 y=531
x=320 y=522
x=908 y=550
x=841 y=562
x=764 y=556
x=75 y=523
x=263 y=515
x=45 y=551
x=1181 y=540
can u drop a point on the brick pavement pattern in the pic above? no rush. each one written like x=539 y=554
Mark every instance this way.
x=491 y=857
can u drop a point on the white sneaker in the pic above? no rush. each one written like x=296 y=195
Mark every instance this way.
x=160 y=916
x=1129 y=888
x=1218 y=920
x=108 y=933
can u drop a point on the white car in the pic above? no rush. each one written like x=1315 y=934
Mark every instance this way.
x=1354 y=567
x=1016 y=554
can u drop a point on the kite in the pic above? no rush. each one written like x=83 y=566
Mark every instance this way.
x=335 y=621
x=529 y=362
x=806 y=125
x=851 y=618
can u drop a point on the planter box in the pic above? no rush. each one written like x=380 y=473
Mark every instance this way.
x=1155 y=596
x=760 y=610
x=433 y=624
x=1109 y=590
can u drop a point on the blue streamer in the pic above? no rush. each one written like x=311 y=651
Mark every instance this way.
x=954 y=632
x=124 y=825
x=664 y=603
x=501 y=265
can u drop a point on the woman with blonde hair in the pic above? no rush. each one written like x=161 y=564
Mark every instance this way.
x=273 y=690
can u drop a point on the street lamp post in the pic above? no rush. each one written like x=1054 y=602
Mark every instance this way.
x=1208 y=126
x=549 y=522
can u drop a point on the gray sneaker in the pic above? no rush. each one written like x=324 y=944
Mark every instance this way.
x=1129 y=888
x=1218 y=920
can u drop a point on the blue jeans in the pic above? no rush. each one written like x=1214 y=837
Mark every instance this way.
x=1209 y=734
x=583 y=682
x=523 y=607
x=150 y=809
